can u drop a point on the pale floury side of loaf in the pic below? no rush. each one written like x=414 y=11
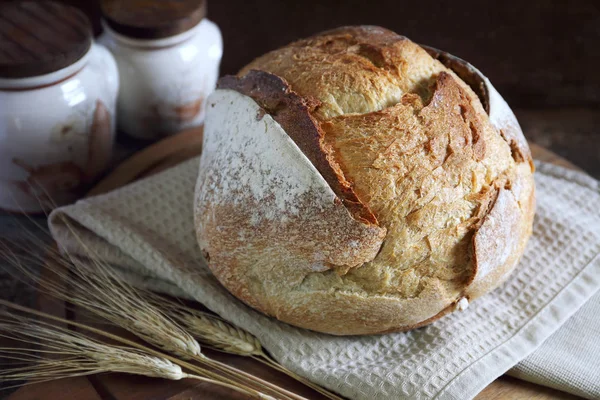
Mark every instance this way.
x=351 y=183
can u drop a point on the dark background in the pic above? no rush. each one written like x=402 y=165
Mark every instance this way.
x=543 y=56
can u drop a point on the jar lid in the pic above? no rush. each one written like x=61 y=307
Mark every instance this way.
x=152 y=19
x=40 y=37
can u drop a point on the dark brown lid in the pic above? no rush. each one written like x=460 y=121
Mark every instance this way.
x=152 y=19
x=39 y=37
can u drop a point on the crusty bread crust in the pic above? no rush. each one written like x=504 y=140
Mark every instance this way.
x=294 y=114
x=441 y=189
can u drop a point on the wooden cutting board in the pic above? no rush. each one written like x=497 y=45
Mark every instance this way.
x=149 y=161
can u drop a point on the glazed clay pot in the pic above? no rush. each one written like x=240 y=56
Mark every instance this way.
x=168 y=55
x=56 y=128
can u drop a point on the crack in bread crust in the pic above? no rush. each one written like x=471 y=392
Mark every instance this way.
x=293 y=113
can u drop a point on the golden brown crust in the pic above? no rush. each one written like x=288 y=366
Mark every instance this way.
x=430 y=174
x=352 y=69
x=400 y=137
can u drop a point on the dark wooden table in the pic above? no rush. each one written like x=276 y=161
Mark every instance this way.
x=541 y=55
x=123 y=387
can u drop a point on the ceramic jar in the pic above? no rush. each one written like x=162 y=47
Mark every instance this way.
x=168 y=55
x=57 y=107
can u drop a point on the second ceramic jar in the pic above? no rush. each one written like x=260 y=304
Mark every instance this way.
x=168 y=56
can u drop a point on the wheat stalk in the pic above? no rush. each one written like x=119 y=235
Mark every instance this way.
x=99 y=290
x=218 y=334
x=78 y=353
x=208 y=328
x=63 y=353
x=96 y=288
x=156 y=327
x=222 y=336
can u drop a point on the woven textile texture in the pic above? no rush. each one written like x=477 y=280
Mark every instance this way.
x=146 y=229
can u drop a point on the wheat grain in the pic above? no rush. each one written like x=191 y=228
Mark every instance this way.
x=94 y=287
x=76 y=352
x=209 y=329
x=97 y=288
x=218 y=334
x=221 y=335
x=64 y=353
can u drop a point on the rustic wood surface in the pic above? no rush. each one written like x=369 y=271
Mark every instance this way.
x=571 y=133
x=153 y=159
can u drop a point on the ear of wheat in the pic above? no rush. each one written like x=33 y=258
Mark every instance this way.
x=80 y=354
x=218 y=334
x=96 y=288
x=48 y=351
x=208 y=328
x=167 y=325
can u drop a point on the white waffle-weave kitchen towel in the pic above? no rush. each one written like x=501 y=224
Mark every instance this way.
x=147 y=229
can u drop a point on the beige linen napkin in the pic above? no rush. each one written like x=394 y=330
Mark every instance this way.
x=147 y=230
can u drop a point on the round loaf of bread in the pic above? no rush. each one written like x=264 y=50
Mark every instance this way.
x=356 y=183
